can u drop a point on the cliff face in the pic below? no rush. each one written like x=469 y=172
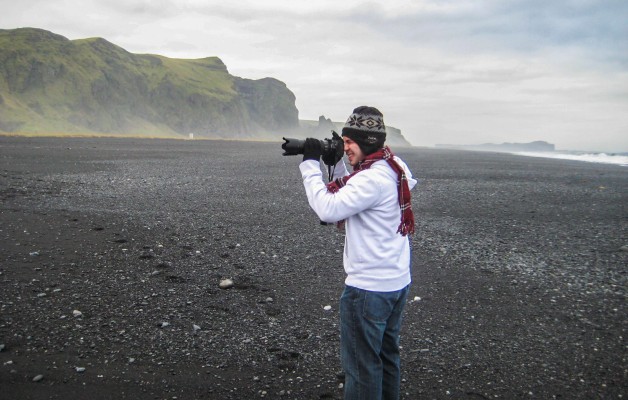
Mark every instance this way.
x=51 y=84
x=269 y=103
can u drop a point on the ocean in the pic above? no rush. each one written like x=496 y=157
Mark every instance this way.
x=605 y=158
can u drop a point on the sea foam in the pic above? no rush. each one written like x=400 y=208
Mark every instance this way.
x=617 y=159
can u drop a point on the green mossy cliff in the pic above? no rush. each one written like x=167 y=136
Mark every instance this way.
x=51 y=84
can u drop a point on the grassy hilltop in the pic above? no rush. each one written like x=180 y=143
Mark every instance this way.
x=49 y=84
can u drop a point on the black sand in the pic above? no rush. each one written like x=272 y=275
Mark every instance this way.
x=519 y=263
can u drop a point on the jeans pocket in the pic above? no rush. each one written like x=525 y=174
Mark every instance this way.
x=378 y=306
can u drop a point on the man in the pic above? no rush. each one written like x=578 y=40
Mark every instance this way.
x=373 y=204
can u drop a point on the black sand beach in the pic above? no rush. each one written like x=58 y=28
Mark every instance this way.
x=112 y=251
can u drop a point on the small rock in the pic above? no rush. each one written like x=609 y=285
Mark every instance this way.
x=80 y=369
x=196 y=327
x=77 y=313
x=269 y=300
x=131 y=360
x=327 y=308
x=2 y=346
x=624 y=248
x=417 y=298
x=38 y=378
x=33 y=253
x=226 y=284
x=165 y=324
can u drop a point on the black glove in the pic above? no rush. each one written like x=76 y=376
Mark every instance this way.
x=312 y=149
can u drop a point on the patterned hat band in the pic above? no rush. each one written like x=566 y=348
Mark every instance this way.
x=366 y=123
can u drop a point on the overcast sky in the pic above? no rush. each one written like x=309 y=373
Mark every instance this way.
x=463 y=72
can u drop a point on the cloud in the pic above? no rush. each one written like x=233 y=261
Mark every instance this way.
x=596 y=27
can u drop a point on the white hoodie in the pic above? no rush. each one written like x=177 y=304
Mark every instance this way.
x=376 y=257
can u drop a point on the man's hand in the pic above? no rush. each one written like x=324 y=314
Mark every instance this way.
x=312 y=149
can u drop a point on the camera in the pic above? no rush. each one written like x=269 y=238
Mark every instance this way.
x=332 y=149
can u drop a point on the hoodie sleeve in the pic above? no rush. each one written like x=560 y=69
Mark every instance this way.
x=359 y=194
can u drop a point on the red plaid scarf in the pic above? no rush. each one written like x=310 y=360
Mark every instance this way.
x=407 y=216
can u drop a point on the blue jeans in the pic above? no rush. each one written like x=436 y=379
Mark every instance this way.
x=369 y=342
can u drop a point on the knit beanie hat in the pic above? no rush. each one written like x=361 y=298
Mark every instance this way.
x=365 y=126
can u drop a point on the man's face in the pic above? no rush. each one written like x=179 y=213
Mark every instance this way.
x=353 y=151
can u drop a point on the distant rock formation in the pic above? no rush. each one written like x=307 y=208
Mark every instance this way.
x=537 y=146
x=323 y=127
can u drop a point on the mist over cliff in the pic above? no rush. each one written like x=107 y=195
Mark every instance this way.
x=51 y=84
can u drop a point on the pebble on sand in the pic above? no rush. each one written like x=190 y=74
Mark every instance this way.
x=226 y=284
x=38 y=378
